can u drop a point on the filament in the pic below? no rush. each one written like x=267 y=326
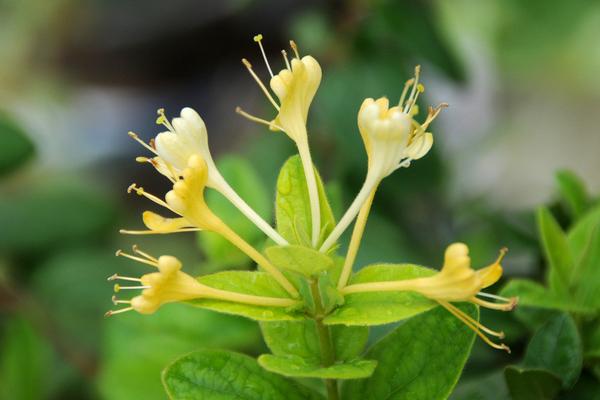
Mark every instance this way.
x=257 y=119
x=285 y=58
x=258 y=39
x=260 y=83
x=138 y=259
x=135 y=137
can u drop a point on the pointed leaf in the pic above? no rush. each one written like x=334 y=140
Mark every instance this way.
x=299 y=338
x=292 y=204
x=556 y=251
x=376 y=308
x=247 y=282
x=587 y=272
x=422 y=359
x=303 y=260
x=224 y=375
x=572 y=190
x=532 y=294
x=579 y=235
x=297 y=367
x=556 y=347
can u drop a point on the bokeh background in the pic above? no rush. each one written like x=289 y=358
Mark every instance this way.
x=75 y=76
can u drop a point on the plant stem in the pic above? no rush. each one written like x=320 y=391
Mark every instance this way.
x=325 y=343
x=357 y=233
x=261 y=260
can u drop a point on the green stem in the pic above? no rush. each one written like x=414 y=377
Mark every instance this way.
x=325 y=343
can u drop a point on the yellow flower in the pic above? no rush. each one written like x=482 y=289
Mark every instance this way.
x=456 y=282
x=391 y=136
x=392 y=140
x=187 y=200
x=169 y=284
x=186 y=137
x=295 y=87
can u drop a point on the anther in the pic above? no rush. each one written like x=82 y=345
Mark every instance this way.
x=285 y=58
x=135 y=137
x=295 y=48
x=163 y=120
x=258 y=39
x=136 y=250
x=113 y=312
x=115 y=277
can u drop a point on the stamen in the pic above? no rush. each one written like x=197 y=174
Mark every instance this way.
x=117 y=288
x=257 y=119
x=460 y=315
x=494 y=296
x=122 y=278
x=163 y=120
x=138 y=259
x=260 y=83
x=149 y=232
x=285 y=58
x=135 y=137
x=414 y=92
x=113 y=312
x=140 y=191
x=407 y=84
x=136 y=250
x=117 y=301
x=258 y=39
x=295 y=48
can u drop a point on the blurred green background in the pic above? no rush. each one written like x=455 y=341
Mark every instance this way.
x=75 y=76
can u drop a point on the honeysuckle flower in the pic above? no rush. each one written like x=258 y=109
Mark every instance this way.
x=169 y=284
x=295 y=86
x=456 y=282
x=186 y=136
x=392 y=139
x=186 y=199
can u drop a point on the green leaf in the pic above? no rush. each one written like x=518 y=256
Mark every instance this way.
x=247 y=282
x=422 y=359
x=292 y=205
x=298 y=367
x=16 y=147
x=556 y=251
x=23 y=361
x=556 y=347
x=587 y=273
x=349 y=341
x=29 y=219
x=573 y=192
x=241 y=176
x=299 y=339
x=532 y=294
x=579 y=235
x=527 y=384
x=376 y=308
x=137 y=347
x=303 y=260
x=224 y=375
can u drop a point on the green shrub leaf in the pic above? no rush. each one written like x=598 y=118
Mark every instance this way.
x=528 y=384
x=299 y=339
x=532 y=294
x=556 y=347
x=297 y=367
x=225 y=375
x=292 y=205
x=303 y=260
x=378 y=308
x=573 y=192
x=16 y=147
x=556 y=251
x=247 y=282
x=420 y=360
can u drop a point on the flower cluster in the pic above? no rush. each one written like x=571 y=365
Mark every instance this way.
x=392 y=138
